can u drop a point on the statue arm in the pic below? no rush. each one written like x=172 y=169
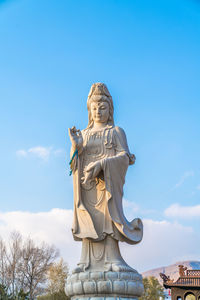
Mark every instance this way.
x=118 y=163
x=122 y=145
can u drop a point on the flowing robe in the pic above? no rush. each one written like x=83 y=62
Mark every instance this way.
x=98 y=210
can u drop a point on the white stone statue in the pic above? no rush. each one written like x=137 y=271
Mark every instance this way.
x=99 y=160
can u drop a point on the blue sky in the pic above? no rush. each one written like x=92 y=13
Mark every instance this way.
x=147 y=52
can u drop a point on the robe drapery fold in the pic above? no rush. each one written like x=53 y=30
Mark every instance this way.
x=98 y=208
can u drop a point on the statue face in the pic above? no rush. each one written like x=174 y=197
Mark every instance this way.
x=99 y=111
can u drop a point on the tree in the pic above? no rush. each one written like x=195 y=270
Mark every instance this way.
x=152 y=289
x=35 y=263
x=22 y=295
x=3 y=264
x=13 y=256
x=4 y=294
x=57 y=296
x=24 y=266
x=57 y=275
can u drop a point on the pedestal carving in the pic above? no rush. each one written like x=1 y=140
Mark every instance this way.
x=109 y=285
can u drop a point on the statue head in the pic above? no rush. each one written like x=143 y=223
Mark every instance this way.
x=99 y=94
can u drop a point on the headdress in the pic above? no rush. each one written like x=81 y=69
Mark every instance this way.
x=99 y=91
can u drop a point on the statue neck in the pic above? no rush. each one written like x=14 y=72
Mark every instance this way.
x=99 y=125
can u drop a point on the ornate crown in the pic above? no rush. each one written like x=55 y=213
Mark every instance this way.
x=99 y=89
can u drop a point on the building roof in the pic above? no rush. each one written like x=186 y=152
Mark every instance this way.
x=188 y=278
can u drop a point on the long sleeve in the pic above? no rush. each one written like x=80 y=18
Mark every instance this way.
x=114 y=169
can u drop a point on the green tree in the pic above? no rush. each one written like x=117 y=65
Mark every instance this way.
x=22 y=295
x=5 y=295
x=152 y=289
x=56 y=296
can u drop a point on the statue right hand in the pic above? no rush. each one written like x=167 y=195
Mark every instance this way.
x=92 y=171
x=76 y=138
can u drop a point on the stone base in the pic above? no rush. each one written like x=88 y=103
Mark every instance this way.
x=104 y=285
x=103 y=298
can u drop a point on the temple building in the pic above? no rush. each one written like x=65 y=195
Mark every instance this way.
x=186 y=287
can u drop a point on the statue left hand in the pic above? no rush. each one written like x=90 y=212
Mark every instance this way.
x=76 y=138
x=92 y=171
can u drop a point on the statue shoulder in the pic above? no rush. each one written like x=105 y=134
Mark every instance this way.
x=119 y=132
x=84 y=131
x=120 y=135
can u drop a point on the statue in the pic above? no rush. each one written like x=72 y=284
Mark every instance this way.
x=182 y=270
x=99 y=160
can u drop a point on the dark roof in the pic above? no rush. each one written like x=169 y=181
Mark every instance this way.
x=190 y=279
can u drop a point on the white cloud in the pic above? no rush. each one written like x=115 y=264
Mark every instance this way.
x=130 y=208
x=163 y=243
x=58 y=152
x=53 y=227
x=21 y=153
x=198 y=187
x=186 y=175
x=39 y=152
x=176 y=210
x=131 y=205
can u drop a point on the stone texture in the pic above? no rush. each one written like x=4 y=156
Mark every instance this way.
x=122 y=284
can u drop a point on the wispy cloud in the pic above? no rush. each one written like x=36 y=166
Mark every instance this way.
x=130 y=209
x=129 y=205
x=39 y=152
x=54 y=226
x=198 y=187
x=176 y=210
x=21 y=153
x=58 y=152
x=186 y=175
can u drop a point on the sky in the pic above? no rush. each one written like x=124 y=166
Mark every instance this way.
x=147 y=53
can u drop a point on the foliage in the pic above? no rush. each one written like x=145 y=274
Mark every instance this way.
x=56 y=296
x=4 y=294
x=152 y=289
x=22 y=295
x=24 y=266
x=56 y=276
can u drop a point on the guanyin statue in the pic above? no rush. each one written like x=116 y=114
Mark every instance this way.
x=99 y=160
